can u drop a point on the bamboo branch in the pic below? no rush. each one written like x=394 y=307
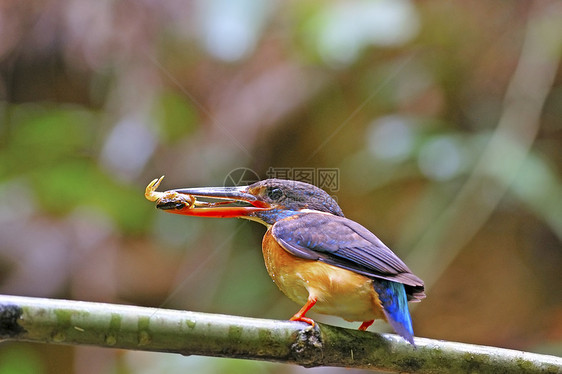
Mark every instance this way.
x=190 y=333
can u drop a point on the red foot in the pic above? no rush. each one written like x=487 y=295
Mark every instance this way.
x=310 y=321
x=300 y=315
x=365 y=325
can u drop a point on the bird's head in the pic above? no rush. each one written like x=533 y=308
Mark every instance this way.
x=265 y=201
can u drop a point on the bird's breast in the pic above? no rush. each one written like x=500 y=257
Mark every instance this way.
x=338 y=291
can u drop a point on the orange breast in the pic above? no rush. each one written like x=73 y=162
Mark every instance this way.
x=338 y=291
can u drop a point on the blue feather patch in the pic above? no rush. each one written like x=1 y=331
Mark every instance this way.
x=395 y=305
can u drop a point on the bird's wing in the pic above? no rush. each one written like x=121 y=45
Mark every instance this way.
x=344 y=243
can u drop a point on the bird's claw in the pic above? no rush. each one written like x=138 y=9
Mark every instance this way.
x=310 y=321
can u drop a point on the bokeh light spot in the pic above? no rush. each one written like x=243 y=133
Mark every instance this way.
x=441 y=158
x=391 y=138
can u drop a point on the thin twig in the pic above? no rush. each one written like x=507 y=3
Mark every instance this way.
x=190 y=333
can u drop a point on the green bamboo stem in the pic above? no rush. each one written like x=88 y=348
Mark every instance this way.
x=190 y=333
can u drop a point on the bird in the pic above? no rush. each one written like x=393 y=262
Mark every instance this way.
x=315 y=255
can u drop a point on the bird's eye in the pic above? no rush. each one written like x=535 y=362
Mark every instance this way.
x=274 y=193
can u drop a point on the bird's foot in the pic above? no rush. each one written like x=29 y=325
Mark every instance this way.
x=310 y=321
x=300 y=315
x=365 y=325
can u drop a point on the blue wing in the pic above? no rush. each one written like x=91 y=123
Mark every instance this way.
x=344 y=243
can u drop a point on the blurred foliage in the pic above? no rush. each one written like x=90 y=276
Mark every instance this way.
x=446 y=136
x=175 y=116
x=53 y=149
x=19 y=360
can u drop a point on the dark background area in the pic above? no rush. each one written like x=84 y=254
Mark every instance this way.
x=441 y=121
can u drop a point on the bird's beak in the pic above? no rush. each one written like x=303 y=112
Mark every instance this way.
x=218 y=201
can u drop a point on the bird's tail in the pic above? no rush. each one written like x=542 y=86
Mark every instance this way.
x=395 y=305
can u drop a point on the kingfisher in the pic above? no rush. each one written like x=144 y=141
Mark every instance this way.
x=315 y=255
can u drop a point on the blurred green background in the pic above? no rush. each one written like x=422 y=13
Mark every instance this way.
x=443 y=121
